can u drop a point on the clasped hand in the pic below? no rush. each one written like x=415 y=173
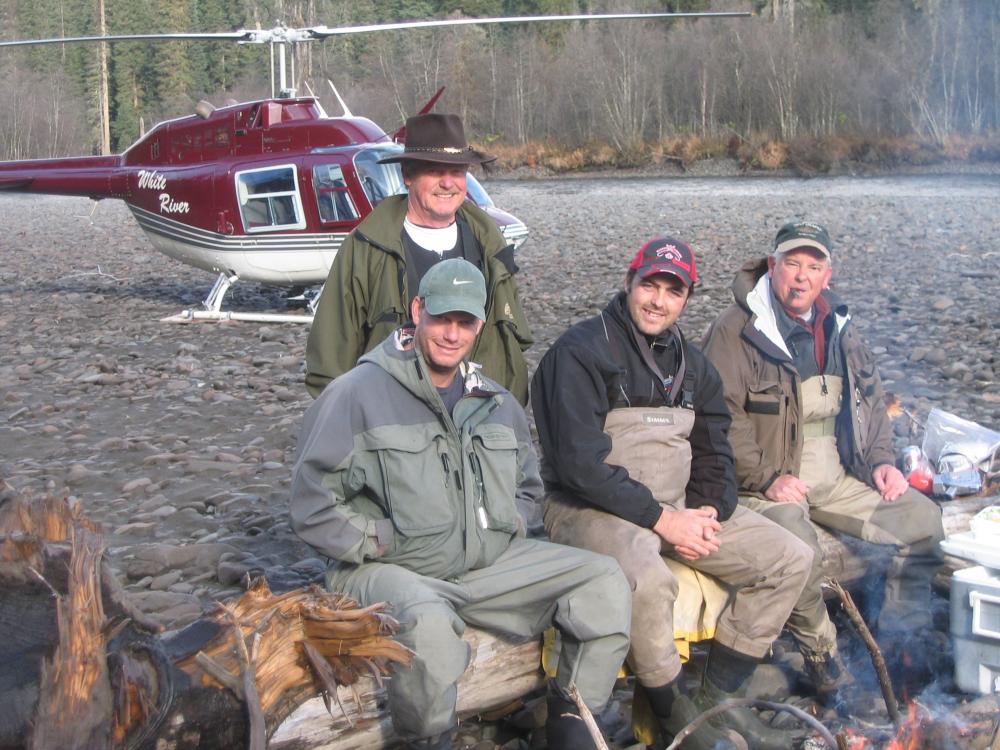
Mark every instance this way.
x=693 y=532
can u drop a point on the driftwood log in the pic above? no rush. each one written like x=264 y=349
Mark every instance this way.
x=80 y=668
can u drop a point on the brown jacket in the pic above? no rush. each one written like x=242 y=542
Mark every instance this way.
x=763 y=391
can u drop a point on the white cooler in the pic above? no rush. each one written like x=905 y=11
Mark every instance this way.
x=975 y=614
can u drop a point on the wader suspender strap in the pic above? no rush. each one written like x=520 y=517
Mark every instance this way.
x=683 y=382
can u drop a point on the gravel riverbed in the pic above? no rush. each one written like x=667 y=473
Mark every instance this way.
x=171 y=434
x=179 y=438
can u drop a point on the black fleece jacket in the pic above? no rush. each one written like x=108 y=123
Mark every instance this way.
x=577 y=383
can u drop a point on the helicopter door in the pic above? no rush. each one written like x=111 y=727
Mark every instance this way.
x=332 y=196
x=270 y=204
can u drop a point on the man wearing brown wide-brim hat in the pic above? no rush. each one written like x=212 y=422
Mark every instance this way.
x=377 y=270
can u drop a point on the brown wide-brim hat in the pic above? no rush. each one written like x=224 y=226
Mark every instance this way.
x=439 y=139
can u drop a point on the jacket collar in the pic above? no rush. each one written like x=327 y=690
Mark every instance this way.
x=400 y=358
x=384 y=225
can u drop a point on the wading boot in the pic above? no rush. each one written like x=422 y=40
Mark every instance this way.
x=565 y=729
x=727 y=675
x=829 y=676
x=441 y=742
x=674 y=710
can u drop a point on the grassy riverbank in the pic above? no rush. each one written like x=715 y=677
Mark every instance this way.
x=736 y=154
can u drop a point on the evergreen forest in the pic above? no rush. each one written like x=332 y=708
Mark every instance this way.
x=925 y=70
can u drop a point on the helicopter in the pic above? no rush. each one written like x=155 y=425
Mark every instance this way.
x=263 y=191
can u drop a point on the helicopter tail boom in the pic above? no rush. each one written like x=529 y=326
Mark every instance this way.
x=89 y=176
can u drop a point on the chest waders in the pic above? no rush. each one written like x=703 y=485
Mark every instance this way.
x=820 y=465
x=651 y=442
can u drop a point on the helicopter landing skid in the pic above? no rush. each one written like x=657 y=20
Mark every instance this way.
x=213 y=308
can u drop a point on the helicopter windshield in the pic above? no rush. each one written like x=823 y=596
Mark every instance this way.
x=382 y=180
x=379 y=180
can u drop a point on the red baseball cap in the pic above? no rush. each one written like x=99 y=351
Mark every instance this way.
x=666 y=255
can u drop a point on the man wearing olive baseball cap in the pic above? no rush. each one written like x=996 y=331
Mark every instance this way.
x=415 y=474
x=812 y=440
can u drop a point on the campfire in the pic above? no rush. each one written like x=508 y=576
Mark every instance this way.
x=964 y=728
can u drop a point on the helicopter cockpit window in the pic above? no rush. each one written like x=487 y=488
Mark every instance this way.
x=379 y=180
x=269 y=199
x=332 y=197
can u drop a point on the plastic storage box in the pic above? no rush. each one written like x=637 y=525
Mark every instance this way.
x=975 y=629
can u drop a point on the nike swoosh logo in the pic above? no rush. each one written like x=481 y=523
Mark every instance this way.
x=456 y=282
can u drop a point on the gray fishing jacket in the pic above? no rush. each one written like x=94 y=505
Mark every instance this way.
x=385 y=473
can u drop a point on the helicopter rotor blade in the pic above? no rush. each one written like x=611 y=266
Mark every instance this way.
x=322 y=32
x=234 y=36
x=283 y=34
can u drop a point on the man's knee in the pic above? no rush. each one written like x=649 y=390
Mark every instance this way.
x=644 y=567
x=797 y=560
x=794 y=518
x=434 y=632
x=925 y=521
x=601 y=605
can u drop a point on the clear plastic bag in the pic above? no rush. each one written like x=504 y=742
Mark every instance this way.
x=949 y=434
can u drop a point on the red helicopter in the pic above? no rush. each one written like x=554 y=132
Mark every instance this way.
x=262 y=191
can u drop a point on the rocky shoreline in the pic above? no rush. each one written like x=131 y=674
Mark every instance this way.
x=179 y=439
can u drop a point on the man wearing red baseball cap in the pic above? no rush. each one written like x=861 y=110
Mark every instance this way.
x=637 y=465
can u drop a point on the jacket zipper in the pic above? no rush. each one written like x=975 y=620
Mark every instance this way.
x=480 y=507
x=448 y=469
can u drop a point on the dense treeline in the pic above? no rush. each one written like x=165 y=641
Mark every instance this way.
x=802 y=68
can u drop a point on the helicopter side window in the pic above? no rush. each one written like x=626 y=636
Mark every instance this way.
x=269 y=199
x=332 y=198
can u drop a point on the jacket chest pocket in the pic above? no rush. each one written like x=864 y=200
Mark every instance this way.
x=764 y=398
x=767 y=408
x=496 y=473
x=415 y=482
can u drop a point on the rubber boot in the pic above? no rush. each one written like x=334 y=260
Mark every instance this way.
x=745 y=722
x=441 y=742
x=674 y=710
x=727 y=675
x=565 y=729
x=828 y=674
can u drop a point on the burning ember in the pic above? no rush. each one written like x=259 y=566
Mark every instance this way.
x=923 y=730
x=908 y=734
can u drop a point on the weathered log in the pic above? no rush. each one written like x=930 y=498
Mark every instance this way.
x=79 y=668
x=501 y=671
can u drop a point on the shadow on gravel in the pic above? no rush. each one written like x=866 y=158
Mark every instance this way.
x=245 y=296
